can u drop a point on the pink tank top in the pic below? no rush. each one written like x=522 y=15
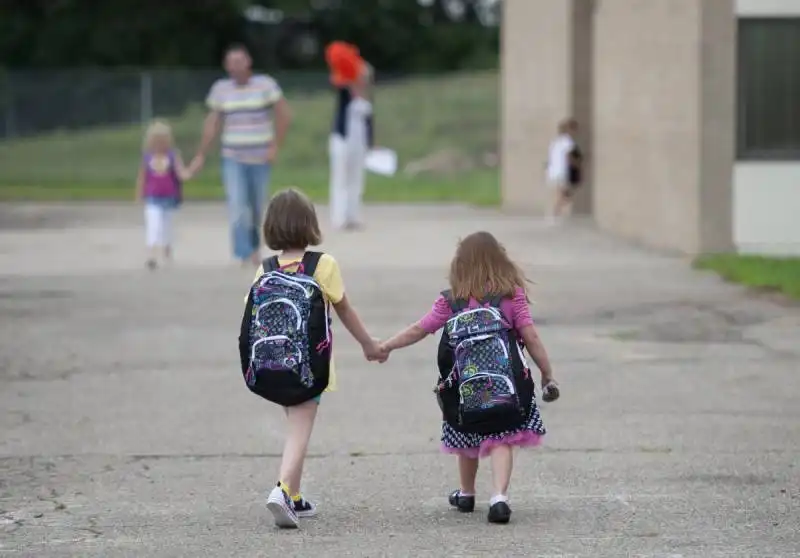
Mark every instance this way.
x=161 y=182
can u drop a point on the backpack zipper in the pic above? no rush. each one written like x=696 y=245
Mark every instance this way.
x=512 y=390
x=284 y=301
x=298 y=354
x=291 y=281
x=482 y=337
x=494 y=311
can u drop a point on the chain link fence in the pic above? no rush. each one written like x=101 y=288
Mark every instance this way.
x=82 y=129
x=36 y=102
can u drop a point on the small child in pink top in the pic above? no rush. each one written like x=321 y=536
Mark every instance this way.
x=481 y=269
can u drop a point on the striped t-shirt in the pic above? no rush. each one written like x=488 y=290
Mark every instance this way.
x=247 y=114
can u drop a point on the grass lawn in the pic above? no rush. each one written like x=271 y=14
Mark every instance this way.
x=779 y=274
x=417 y=117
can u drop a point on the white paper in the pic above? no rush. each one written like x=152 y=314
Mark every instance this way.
x=381 y=161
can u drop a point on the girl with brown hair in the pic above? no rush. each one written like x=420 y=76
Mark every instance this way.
x=275 y=372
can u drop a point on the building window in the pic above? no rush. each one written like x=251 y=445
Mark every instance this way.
x=768 y=126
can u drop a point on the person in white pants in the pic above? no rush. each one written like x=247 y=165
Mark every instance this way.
x=158 y=227
x=159 y=186
x=351 y=139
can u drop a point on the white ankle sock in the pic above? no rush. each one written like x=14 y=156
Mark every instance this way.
x=497 y=499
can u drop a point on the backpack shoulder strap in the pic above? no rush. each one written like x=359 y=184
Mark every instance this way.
x=270 y=264
x=310 y=261
x=173 y=165
x=456 y=305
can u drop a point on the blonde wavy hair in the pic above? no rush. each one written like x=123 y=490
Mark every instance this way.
x=157 y=129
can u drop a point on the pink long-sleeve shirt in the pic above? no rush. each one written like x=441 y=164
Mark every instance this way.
x=515 y=310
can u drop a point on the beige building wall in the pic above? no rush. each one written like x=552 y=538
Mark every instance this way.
x=536 y=91
x=656 y=103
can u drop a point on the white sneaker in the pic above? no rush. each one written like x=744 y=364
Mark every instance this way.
x=282 y=508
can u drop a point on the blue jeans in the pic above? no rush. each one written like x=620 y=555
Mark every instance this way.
x=246 y=187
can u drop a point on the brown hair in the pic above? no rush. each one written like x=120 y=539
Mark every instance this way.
x=481 y=268
x=567 y=125
x=290 y=222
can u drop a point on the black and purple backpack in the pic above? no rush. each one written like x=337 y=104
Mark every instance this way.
x=285 y=338
x=485 y=386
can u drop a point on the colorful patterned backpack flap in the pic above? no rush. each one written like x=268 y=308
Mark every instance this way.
x=288 y=333
x=485 y=389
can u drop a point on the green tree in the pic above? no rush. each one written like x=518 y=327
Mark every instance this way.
x=42 y=33
x=397 y=36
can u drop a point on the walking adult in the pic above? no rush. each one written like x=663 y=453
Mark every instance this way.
x=253 y=116
x=352 y=134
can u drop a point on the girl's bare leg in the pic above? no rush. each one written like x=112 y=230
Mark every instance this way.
x=301 y=423
x=467 y=473
x=502 y=464
x=562 y=203
x=556 y=204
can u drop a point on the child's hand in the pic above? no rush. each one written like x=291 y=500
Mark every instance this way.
x=373 y=351
x=186 y=174
x=196 y=164
x=550 y=391
x=384 y=352
x=272 y=152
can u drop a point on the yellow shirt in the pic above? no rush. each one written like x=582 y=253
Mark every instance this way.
x=329 y=277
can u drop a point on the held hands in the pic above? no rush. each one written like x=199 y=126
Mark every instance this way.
x=186 y=174
x=196 y=164
x=375 y=351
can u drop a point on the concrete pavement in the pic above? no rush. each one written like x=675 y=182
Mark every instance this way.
x=127 y=429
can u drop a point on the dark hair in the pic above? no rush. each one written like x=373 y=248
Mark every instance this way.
x=290 y=222
x=236 y=47
x=568 y=125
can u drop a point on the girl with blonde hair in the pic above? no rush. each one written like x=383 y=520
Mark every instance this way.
x=159 y=186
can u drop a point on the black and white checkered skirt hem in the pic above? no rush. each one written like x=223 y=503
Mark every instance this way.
x=481 y=445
